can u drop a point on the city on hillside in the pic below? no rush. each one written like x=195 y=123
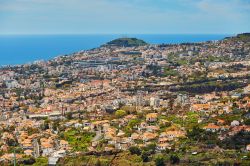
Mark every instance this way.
x=129 y=102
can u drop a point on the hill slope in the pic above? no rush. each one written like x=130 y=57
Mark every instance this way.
x=244 y=37
x=126 y=42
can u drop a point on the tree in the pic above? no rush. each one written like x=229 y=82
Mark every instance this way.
x=195 y=133
x=98 y=163
x=133 y=122
x=159 y=161
x=150 y=148
x=135 y=150
x=120 y=113
x=45 y=125
x=69 y=115
x=11 y=142
x=174 y=159
x=144 y=156
x=247 y=122
x=29 y=161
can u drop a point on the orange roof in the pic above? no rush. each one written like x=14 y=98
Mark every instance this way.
x=211 y=126
x=151 y=115
x=46 y=145
x=201 y=106
x=148 y=135
x=177 y=133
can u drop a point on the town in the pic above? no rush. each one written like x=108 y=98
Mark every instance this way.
x=130 y=103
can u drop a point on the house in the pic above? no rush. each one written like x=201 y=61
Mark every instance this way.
x=152 y=128
x=108 y=149
x=175 y=134
x=52 y=161
x=163 y=140
x=120 y=133
x=236 y=96
x=151 y=117
x=64 y=145
x=225 y=128
x=142 y=126
x=235 y=123
x=110 y=133
x=248 y=147
x=147 y=136
x=46 y=146
x=220 y=121
x=163 y=146
x=200 y=107
x=29 y=152
x=211 y=127
x=135 y=136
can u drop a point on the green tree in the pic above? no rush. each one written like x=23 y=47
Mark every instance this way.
x=159 y=161
x=133 y=123
x=135 y=150
x=69 y=116
x=174 y=159
x=247 y=122
x=120 y=113
x=150 y=148
x=145 y=156
x=195 y=133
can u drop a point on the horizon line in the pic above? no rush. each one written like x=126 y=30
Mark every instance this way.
x=21 y=34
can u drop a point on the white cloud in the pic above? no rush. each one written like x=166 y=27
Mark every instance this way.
x=123 y=16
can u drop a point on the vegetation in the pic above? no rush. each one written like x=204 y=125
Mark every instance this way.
x=120 y=113
x=237 y=141
x=79 y=140
x=170 y=72
x=135 y=150
x=127 y=42
x=210 y=86
x=245 y=37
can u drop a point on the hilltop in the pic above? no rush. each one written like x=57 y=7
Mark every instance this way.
x=244 y=37
x=126 y=42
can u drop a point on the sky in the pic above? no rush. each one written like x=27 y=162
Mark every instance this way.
x=124 y=16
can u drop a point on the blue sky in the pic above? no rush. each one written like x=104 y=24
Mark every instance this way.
x=124 y=16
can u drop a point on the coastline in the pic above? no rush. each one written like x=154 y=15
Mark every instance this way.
x=46 y=47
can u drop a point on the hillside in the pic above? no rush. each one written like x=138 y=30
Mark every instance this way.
x=245 y=37
x=126 y=42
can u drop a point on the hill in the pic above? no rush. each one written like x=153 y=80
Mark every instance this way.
x=126 y=42
x=244 y=37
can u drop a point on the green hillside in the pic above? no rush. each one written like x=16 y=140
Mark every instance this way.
x=127 y=42
x=245 y=37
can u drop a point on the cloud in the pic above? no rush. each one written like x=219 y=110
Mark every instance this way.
x=230 y=9
x=124 y=16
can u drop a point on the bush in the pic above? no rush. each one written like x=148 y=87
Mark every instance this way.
x=120 y=113
x=196 y=133
x=174 y=159
x=135 y=150
x=159 y=161
x=29 y=161
x=144 y=156
x=150 y=148
x=247 y=122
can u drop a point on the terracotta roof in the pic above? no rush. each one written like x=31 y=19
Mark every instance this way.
x=211 y=126
x=151 y=115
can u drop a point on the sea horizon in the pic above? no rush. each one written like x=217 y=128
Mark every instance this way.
x=18 y=49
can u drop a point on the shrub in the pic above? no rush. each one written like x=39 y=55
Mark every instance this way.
x=159 y=161
x=145 y=156
x=120 y=113
x=174 y=159
x=135 y=150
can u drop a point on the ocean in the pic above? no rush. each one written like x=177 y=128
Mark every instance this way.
x=21 y=49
